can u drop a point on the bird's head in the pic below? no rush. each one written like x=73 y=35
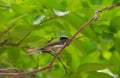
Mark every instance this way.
x=64 y=38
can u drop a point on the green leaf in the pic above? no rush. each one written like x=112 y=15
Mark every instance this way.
x=13 y=55
x=85 y=4
x=2 y=50
x=14 y=20
x=90 y=34
x=117 y=44
x=17 y=9
x=107 y=37
x=72 y=75
x=115 y=1
x=115 y=24
x=74 y=19
x=96 y=2
x=91 y=57
x=73 y=5
x=88 y=67
x=99 y=75
x=52 y=4
x=67 y=57
x=101 y=28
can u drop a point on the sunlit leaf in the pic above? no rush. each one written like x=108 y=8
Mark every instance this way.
x=38 y=19
x=59 y=13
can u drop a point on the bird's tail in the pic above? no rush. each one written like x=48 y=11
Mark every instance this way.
x=32 y=51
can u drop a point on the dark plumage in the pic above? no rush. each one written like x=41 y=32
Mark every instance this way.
x=54 y=46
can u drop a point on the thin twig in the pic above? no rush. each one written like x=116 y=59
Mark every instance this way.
x=60 y=61
x=5 y=6
x=23 y=38
x=6 y=30
x=69 y=41
x=5 y=42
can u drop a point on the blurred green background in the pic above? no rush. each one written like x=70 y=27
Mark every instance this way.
x=97 y=47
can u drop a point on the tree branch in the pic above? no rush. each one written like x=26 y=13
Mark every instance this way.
x=69 y=41
x=9 y=70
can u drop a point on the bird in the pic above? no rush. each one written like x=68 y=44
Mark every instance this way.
x=50 y=47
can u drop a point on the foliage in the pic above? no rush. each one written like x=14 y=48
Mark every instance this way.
x=32 y=23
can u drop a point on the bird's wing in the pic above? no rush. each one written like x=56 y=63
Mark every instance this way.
x=32 y=51
x=57 y=48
